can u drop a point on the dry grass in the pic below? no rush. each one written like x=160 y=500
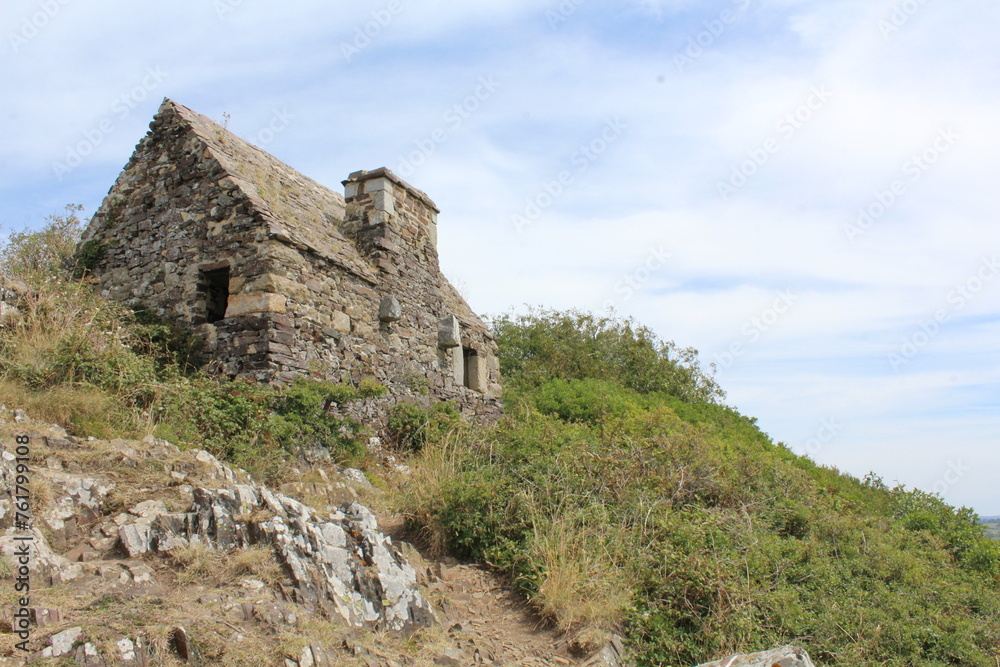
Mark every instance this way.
x=68 y=361
x=199 y=562
x=418 y=495
x=202 y=563
x=77 y=409
x=584 y=588
x=257 y=561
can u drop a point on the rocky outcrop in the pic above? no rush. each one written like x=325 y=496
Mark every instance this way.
x=787 y=656
x=340 y=562
x=336 y=561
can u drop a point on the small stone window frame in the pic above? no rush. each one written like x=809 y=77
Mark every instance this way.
x=474 y=374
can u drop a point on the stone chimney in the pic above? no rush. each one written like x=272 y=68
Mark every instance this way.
x=388 y=218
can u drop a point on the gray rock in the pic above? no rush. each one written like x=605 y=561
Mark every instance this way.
x=135 y=538
x=786 y=656
x=62 y=643
x=390 y=310
x=611 y=655
x=342 y=563
x=46 y=566
x=149 y=509
x=87 y=655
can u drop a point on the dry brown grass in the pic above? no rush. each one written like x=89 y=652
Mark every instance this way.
x=202 y=563
x=258 y=562
x=69 y=361
x=418 y=495
x=584 y=588
x=73 y=408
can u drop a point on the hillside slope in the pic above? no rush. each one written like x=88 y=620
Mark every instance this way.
x=619 y=495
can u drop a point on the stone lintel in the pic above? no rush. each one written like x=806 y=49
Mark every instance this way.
x=262 y=302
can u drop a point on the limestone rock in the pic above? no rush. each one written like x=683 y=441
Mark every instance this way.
x=46 y=565
x=786 y=656
x=611 y=655
x=341 y=563
x=62 y=643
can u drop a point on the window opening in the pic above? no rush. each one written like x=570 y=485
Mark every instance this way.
x=216 y=286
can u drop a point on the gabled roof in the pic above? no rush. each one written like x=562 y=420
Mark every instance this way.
x=297 y=210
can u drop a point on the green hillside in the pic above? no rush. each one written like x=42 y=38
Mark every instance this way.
x=619 y=493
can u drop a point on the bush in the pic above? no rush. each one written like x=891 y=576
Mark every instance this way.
x=545 y=345
x=412 y=427
x=584 y=400
x=258 y=427
x=38 y=256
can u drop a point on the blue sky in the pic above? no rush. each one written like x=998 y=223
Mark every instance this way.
x=803 y=191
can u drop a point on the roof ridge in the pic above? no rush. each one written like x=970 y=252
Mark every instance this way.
x=297 y=210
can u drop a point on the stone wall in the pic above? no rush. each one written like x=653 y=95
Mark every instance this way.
x=283 y=277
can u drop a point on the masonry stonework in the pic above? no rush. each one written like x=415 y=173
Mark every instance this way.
x=282 y=277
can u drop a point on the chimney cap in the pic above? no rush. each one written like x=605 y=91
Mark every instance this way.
x=385 y=172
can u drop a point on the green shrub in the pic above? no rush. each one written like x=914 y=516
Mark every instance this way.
x=259 y=427
x=369 y=388
x=411 y=426
x=544 y=345
x=584 y=400
x=701 y=536
x=38 y=256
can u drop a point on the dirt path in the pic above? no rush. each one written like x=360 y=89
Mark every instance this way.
x=486 y=622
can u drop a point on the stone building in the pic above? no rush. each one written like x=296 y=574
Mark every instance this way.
x=281 y=276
